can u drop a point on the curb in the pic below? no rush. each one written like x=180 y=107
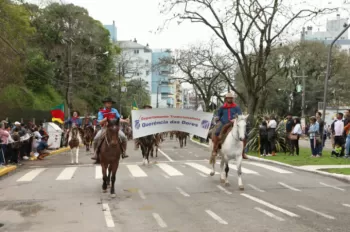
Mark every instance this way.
x=6 y=170
x=340 y=177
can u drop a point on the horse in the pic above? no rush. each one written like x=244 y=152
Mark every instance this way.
x=146 y=143
x=182 y=136
x=128 y=132
x=75 y=138
x=232 y=148
x=172 y=133
x=88 y=136
x=110 y=152
x=157 y=140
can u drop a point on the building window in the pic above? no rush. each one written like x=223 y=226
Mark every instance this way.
x=136 y=51
x=147 y=61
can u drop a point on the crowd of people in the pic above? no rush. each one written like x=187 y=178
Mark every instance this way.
x=19 y=142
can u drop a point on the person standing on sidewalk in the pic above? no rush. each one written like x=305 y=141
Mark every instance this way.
x=347 y=133
x=271 y=135
x=296 y=133
x=338 y=132
x=321 y=131
x=4 y=135
x=289 y=129
x=313 y=135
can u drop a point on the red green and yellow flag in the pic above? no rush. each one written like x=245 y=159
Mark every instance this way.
x=134 y=105
x=57 y=113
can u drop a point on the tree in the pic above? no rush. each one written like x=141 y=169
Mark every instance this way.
x=198 y=65
x=249 y=29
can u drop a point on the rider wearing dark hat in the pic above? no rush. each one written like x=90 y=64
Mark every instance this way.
x=103 y=115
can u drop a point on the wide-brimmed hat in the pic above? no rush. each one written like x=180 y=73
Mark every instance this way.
x=229 y=95
x=108 y=99
x=147 y=106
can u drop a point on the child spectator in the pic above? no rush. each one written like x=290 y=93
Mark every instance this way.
x=337 y=150
x=42 y=147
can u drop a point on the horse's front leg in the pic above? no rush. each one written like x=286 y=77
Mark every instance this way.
x=109 y=176
x=104 y=177
x=222 y=171
x=212 y=173
x=77 y=155
x=239 y=172
x=114 y=169
x=226 y=173
x=72 y=156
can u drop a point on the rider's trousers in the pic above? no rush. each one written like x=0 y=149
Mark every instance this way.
x=103 y=130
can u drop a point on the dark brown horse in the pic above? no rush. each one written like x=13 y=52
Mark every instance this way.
x=128 y=132
x=172 y=133
x=110 y=152
x=156 y=141
x=88 y=136
x=182 y=137
x=146 y=143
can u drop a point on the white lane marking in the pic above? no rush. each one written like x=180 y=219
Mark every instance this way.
x=31 y=175
x=67 y=173
x=200 y=168
x=331 y=186
x=223 y=189
x=159 y=220
x=244 y=170
x=271 y=168
x=136 y=171
x=216 y=217
x=108 y=215
x=270 y=205
x=201 y=174
x=166 y=156
x=316 y=212
x=182 y=192
x=142 y=195
x=167 y=177
x=269 y=214
x=98 y=172
x=256 y=188
x=196 y=156
x=346 y=205
x=290 y=187
x=170 y=170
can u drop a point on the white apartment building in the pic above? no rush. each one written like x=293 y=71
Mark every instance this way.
x=135 y=61
x=333 y=29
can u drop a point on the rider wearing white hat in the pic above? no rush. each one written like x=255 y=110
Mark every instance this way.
x=226 y=114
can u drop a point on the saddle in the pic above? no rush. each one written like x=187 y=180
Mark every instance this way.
x=223 y=134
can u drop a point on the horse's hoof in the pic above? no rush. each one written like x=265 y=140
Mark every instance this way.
x=241 y=188
x=227 y=184
x=222 y=180
x=212 y=173
x=113 y=195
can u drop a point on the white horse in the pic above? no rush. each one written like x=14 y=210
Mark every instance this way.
x=232 y=149
x=75 y=138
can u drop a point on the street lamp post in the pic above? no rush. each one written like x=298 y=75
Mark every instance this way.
x=328 y=71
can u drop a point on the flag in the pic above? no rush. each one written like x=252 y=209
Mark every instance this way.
x=57 y=113
x=134 y=105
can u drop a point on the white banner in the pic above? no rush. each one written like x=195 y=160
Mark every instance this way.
x=152 y=121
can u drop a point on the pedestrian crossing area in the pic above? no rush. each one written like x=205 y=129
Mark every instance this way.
x=168 y=170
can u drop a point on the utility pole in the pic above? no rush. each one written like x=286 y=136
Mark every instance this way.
x=303 y=81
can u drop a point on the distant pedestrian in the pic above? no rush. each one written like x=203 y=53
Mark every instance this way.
x=264 y=142
x=289 y=129
x=295 y=136
x=314 y=137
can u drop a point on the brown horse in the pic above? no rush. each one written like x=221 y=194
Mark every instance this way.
x=88 y=136
x=75 y=138
x=110 y=152
x=128 y=132
x=172 y=133
x=182 y=137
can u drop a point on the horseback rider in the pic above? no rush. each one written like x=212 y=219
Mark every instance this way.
x=108 y=113
x=74 y=121
x=226 y=114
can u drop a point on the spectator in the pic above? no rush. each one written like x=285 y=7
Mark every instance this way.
x=321 y=131
x=313 y=135
x=295 y=136
x=36 y=139
x=264 y=143
x=338 y=131
x=336 y=151
x=42 y=148
x=347 y=133
x=4 y=135
x=271 y=134
x=289 y=129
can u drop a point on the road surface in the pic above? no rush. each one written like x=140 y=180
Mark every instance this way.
x=175 y=194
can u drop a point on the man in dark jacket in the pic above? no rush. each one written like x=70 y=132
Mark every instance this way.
x=289 y=128
x=227 y=114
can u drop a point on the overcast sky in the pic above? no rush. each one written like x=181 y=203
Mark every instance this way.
x=140 y=19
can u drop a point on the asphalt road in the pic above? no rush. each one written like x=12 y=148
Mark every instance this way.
x=173 y=194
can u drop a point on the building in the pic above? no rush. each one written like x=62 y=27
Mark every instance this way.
x=135 y=61
x=162 y=85
x=178 y=94
x=333 y=29
x=112 y=31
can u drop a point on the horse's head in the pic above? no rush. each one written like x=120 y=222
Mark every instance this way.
x=113 y=131
x=241 y=123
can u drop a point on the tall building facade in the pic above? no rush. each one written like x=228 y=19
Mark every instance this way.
x=112 y=31
x=163 y=89
x=333 y=29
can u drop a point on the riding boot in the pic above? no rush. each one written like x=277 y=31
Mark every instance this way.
x=123 y=146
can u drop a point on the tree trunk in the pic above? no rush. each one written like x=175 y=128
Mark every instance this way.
x=252 y=106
